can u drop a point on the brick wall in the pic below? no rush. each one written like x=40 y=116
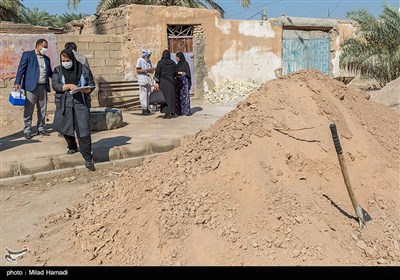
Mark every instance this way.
x=103 y=51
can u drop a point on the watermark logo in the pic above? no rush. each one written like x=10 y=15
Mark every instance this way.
x=13 y=256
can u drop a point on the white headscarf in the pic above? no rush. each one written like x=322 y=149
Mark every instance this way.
x=146 y=53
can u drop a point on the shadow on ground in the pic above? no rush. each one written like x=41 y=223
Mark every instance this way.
x=10 y=141
x=102 y=147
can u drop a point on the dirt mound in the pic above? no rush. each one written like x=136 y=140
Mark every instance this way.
x=389 y=95
x=260 y=187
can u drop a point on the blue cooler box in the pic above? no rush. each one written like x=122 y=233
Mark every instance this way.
x=17 y=98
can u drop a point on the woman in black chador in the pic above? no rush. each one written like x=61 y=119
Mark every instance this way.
x=73 y=82
x=183 y=85
x=164 y=76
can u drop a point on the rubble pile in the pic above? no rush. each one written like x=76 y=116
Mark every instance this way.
x=230 y=93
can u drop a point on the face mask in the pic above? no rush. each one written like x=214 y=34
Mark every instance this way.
x=67 y=64
x=43 y=51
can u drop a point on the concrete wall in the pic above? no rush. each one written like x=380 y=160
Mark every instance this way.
x=224 y=50
x=243 y=51
x=239 y=50
x=344 y=30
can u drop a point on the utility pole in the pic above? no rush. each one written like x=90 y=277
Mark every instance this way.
x=264 y=14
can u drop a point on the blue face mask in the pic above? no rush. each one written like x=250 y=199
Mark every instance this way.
x=67 y=64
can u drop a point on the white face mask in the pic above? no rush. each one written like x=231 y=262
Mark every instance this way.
x=67 y=64
x=43 y=51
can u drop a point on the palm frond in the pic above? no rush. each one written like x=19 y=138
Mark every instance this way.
x=63 y=19
x=35 y=17
x=375 y=51
x=104 y=5
x=9 y=10
x=73 y=4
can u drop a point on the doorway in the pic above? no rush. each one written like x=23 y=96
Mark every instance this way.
x=180 y=39
x=305 y=49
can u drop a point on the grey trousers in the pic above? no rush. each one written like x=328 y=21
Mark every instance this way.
x=38 y=97
x=144 y=93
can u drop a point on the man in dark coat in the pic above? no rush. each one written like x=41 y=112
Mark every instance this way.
x=33 y=75
x=165 y=74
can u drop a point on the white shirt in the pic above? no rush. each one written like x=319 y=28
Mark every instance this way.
x=42 y=69
x=143 y=78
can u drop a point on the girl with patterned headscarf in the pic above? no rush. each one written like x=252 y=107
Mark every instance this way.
x=183 y=85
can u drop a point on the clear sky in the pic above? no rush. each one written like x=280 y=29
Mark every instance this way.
x=301 y=8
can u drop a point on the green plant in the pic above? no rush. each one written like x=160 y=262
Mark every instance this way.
x=36 y=17
x=374 y=52
x=9 y=9
x=63 y=19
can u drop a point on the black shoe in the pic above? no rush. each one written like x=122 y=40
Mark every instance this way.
x=43 y=132
x=89 y=164
x=144 y=112
x=28 y=135
x=72 y=151
x=167 y=116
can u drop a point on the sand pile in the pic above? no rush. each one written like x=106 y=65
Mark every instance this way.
x=260 y=187
x=389 y=95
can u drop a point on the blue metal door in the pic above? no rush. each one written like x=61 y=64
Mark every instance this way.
x=302 y=51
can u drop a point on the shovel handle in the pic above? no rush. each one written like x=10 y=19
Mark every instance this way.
x=335 y=138
x=362 y=215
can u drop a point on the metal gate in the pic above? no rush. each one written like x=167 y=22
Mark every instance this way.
x=180 y=39
x=305 y=50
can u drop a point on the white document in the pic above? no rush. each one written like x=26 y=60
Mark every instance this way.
x=78 y=89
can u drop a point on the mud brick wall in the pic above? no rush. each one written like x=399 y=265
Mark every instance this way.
x=103 y=51
x=12 y=28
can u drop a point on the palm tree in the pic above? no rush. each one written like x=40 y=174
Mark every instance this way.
x=73 y=3
x=65 y=18
x=9 y=9
x=375 y=51
x=36 y=17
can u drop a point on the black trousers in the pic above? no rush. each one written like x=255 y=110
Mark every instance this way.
x=85 y=145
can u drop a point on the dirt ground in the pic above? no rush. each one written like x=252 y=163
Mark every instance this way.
x=10 y=117
x=262 y=186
